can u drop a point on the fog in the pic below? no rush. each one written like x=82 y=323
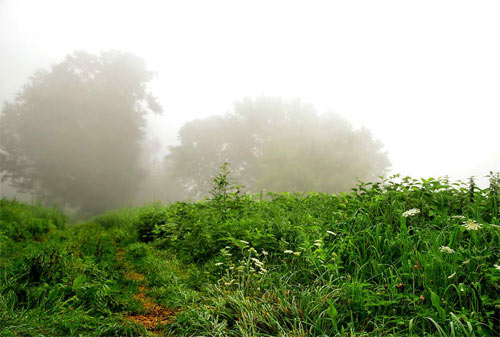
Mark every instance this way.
x=415 y=84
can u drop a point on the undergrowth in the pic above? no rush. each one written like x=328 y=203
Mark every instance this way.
x=400 y=257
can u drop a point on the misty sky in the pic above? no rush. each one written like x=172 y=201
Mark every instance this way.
x=423 y=76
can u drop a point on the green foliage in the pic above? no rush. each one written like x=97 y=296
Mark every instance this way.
x=401 y=257
x=369 y=264
x=149 y=219
x=20 y=221
x=60 y=282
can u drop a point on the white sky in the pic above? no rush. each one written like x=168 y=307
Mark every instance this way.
x=423 y=76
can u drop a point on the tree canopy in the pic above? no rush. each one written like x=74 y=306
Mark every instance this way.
x=276 y=145
x=73 y=134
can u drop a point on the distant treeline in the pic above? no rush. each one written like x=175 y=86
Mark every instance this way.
x=74 y=137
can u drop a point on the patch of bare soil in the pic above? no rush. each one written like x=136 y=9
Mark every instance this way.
x=155 y=315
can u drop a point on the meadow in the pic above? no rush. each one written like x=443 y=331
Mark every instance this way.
x=400 y=257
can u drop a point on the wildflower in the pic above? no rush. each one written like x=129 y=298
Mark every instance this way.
x=411 y=212
x=317 y=244
x=446 y=249
x=471 y=225
x=219 y=264
x=265 y=253
x=452 y=275
x=257 y=262
x=252 y=250
x=497 y=267
x=288 y=251
x=331 y=233
x=245 y=242
x=296 y=253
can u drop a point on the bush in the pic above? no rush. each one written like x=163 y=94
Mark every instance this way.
x=20 y=221
x=149 y=218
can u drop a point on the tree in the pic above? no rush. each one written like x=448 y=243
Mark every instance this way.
x=73 y=134
x=276 y=145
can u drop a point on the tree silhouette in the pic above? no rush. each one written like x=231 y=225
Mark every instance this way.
x=72 y=135
x=276 y=145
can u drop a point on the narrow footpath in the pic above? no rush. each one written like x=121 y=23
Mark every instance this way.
x=155 y=316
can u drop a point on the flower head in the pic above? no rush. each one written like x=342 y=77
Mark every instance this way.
x=219 y=264
x=288 y=251
x=471 y=225
x=446 y=249
x=497 y=267
x=411 y=212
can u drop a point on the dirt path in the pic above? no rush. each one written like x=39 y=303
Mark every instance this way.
x=155 y=316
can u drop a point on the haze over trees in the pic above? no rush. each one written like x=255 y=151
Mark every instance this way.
x=75 y=137
x=72 y=135
x=277 y=145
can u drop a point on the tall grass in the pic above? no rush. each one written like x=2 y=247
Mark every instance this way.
x=401 y=257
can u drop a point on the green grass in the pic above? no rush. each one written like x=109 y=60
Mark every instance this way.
x=251 y=265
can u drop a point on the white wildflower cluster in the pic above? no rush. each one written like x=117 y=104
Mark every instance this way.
x=250 y=266
x=317 y=243
x=226 y=254
x=446 y=249
x=259 y=265
x=411 y=212
x=288 y=251
x=471 y=225
x=497 y=267
x=225 y=251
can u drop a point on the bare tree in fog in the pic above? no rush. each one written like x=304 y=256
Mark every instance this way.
x=73 y=135
x=277 y=145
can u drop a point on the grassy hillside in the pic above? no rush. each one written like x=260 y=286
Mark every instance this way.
x=398 y=258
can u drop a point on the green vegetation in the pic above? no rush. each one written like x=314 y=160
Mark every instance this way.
x=401 y=257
